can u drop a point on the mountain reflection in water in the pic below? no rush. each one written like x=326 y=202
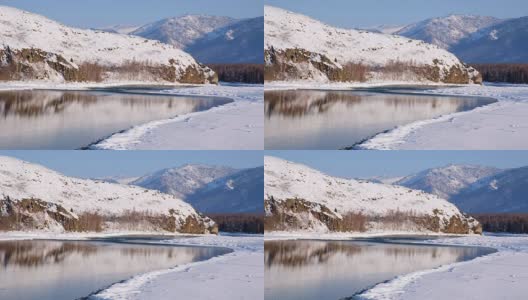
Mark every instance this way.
x=338 y=269
x=300 y=119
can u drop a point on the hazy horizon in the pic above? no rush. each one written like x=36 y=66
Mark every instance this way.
x=369 y=164
x=366 y=14
x=100 y=164
x=101 y=13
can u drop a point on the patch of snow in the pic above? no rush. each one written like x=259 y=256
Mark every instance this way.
x=238 y=275
x=496 y=276
x=287 y=180
x=501 y=125
x=238 y=125
x=22 y=180
x=23 y=30
x=288 y=30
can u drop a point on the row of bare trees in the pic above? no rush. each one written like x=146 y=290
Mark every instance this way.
x=243 y=222
x=510 y=73
x=245 y=73
x=507 y=222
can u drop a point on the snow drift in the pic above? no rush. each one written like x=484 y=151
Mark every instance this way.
x=300 y=48
x=298 y=198
x=47 y=200
x=34 y=47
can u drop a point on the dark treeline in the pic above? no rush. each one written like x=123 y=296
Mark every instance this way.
x=508 y=222
x=510 y=73
x=246 y=223
x=245 y=73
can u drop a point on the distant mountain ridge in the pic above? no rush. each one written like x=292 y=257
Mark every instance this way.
x=211 y=39
x=446 y=181
x=504 y=192
x=210 y=189
x=475 y=39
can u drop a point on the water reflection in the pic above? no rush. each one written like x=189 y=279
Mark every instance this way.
x=73 y=119
x=339 y=119
x=70 y=270
x=338 y=269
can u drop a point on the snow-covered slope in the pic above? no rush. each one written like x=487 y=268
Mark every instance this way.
x=240 y=192
x=446 y=32
x=210 y=189
x=21 y=30
x=22 y=180
x=121 y=29
x=211 y=39
x=238 y=42
x=317 y=201
x=184 y=180
x=182 y=31
x=446 y=181
x=300 y=48
x=505 y=42
x=504 y=192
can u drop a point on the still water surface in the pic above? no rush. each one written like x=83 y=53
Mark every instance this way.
x=314 y=119
x=66 y=270
x=43 y=119
x=339 y=269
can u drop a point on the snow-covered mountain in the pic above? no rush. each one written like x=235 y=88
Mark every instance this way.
x=183 y=181
x=303 y=199
x=211 y=39
x=240 y=192
x=121 y=29
x=210 y=189
x=446 y=32
x=182 y=31
x=446 y=181
x=300 y=48
x=49 y=200
x=34 y=47
x=504 y=192
x=504 y=42
x=238 y=42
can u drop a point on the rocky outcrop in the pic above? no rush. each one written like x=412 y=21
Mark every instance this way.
x=302 y=215
x=36 y=64
x=35 y=214
x=300 y=64
x=299 y=48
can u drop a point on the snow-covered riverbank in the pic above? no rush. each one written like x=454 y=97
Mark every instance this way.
x=238 y=125
x=237 y=275
x=502 y=125
x=501 y=275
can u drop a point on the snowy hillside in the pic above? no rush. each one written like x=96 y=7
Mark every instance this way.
x=211 y=39
x=505 y=42
x=55 y=51
x=184 y=180
x=446 y=181
x=210 y=189
x=316 y=202
x=182 y=31
x=300 y=48
x=240 y=192
x=504 y=192
x=21 y=180
x=446 y=32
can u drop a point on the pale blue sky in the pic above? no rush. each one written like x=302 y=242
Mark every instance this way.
x=365 y=164
x=366 y=13
x=100 y=13
x=97 y=164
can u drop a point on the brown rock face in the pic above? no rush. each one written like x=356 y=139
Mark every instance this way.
x=299 y=215
x=300 y=64
x=35 y=214
x=35 y=64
